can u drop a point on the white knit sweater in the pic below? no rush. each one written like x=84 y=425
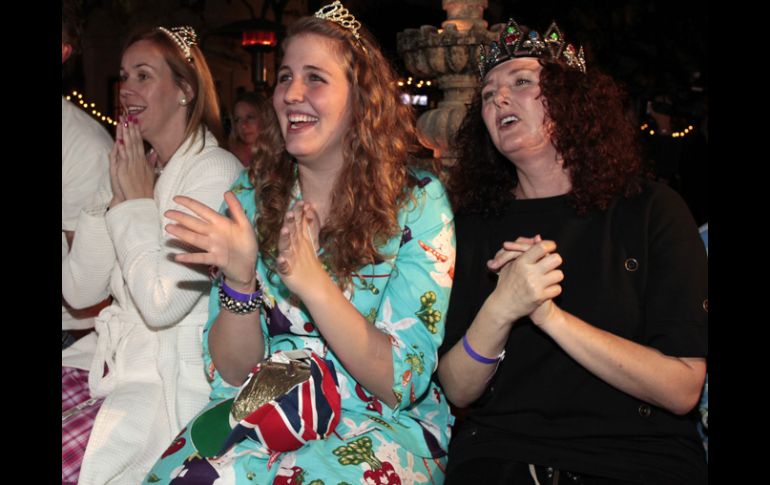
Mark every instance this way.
x=150 y=337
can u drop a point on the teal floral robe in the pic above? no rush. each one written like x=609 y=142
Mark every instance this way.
x=405 y=296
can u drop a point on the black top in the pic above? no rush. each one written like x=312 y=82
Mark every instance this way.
x=637 y=270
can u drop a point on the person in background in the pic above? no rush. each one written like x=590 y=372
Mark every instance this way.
x=251 y=112
x=577 y=328
x=85 y=146
x=351 y=260
x=141 y=374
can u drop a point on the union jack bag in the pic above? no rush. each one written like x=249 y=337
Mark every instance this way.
x=289 y=399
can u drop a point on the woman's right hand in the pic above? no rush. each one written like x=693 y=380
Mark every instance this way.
x=510 y=251
x=230 y=243
x=117 y=191
x=528 y=276
x=297 y=262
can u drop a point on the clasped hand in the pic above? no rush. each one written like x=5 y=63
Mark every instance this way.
x=528 y=278
x=132 y=175
x=297 y=263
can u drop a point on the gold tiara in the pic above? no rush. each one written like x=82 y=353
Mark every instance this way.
x=184 y=36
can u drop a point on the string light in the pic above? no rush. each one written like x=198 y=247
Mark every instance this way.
x=676 y=134
x=415 y=83
x=94 y=112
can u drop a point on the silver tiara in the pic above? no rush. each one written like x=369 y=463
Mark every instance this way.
x=335 y=12
x=184 y=36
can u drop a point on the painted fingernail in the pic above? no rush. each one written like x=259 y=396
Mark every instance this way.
x=120 y=140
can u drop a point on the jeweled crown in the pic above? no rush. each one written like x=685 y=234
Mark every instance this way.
x=516 y=42
x=335 y=12
x=184 y=36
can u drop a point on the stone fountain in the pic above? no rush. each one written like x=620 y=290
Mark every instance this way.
x=449 y=54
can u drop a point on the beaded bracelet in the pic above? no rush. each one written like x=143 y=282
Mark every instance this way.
x=237 y=302
x=478 y=357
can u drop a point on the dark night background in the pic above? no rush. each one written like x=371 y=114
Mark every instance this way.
x=653 y=46
x=656 y=49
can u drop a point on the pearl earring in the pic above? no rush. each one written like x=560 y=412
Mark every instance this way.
x=183 y=101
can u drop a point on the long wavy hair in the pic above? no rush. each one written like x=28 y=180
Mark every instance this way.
x=589 y=127
x=203 y=109
x=374 y=182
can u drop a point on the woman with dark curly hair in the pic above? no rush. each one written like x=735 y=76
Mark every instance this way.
x=577 y=330
x=349 y=270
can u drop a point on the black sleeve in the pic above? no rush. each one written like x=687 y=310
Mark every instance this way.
x=676 y=300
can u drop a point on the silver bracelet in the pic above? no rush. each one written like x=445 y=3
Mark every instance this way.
x=237 y=302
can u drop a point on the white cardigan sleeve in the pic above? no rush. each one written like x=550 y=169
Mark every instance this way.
x=163 y=290
x=86 y=270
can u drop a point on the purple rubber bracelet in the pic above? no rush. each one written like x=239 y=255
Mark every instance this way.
x=476 y=356
x=237 y=295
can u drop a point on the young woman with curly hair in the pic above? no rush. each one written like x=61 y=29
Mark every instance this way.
x=588 y=279
x=353 y=255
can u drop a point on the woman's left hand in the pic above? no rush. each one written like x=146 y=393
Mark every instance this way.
x=135 y=174
x=297 y=263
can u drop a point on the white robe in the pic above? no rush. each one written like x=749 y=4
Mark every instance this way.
x=150 y=336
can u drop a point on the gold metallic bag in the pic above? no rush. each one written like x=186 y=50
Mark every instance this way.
x=272 y=378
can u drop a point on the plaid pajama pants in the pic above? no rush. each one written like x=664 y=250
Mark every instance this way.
x=78 y=415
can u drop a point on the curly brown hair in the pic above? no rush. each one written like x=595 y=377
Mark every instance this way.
x=590 y=129
x=373 y=184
